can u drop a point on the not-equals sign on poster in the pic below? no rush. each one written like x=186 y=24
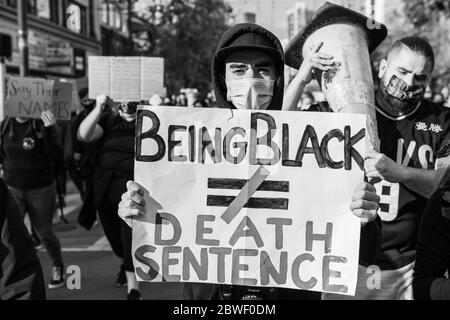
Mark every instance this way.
x=245 y=199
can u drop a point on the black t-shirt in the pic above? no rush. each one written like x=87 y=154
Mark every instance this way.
x=433 y=246
x=117 y=145
x=413 y=142
x=26 y=162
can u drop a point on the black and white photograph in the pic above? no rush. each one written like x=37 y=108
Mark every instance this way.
x=224 y=159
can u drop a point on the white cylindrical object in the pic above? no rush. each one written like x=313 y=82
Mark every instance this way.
x=349 y=87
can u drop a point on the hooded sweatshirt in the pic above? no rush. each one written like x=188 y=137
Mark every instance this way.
x=213 y=291
x=218 y=65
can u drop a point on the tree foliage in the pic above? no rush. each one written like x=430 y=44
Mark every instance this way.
x=431 y=19
x=185 y=33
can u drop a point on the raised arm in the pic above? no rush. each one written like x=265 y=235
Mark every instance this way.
x=89 y=129
x=294 y=91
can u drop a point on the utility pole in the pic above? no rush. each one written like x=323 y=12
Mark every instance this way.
x=2 y=86
x=22 y=11
x=130 y=26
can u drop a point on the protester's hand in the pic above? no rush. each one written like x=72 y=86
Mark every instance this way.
x=133 y=203
x=102 y=101
x=316 y=59
x=48 y=118
x=378 y=165
x=365 y=202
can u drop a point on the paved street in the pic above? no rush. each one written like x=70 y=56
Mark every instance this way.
x=90 y=251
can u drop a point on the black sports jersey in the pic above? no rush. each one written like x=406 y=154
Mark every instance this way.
x=412 y=142
x=416 y=142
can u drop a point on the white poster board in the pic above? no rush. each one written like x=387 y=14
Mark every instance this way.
x=126 y=78
x=240 y=204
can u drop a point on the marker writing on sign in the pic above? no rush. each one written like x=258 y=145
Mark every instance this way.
x=220 y=150
x=229 y=260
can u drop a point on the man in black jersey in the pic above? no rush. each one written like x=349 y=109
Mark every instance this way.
x=415 y=143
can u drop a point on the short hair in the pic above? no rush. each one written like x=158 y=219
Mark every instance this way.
x=417 y=44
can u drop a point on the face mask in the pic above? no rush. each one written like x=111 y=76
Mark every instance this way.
x=129 y=108
x=400 y=100
x=250 y=93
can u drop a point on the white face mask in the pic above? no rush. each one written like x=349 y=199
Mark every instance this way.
x=250 y=93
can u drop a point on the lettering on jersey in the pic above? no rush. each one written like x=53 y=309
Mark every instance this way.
x=436 y=128
x=389 y=192
x=433 y=127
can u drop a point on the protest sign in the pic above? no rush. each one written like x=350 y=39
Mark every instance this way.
x=28 y=97
x=258 y=198
x=76 y=102
x=126 y=78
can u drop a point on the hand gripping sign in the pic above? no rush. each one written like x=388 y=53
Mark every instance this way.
x=248 y=198
x=349 y=37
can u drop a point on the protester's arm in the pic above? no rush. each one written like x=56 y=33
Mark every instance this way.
x=364 y=205
x=50 y=139
x=433 y=254
x=422 y=181
x=89 y=129
x=294 y=91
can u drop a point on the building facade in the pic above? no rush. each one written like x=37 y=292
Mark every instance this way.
x=62 y=34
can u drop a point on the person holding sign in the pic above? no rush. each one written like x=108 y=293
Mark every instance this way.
x=114 y=167
x=415 y=140
x=248 y=73
x=27 y=151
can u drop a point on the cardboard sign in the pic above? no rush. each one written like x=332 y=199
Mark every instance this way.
x=257 y=198
x=126 y=78
x=28 y=97
x=76 y=102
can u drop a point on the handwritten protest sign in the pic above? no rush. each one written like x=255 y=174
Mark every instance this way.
x=28 y=97
x=249 y=198
x=126 y=78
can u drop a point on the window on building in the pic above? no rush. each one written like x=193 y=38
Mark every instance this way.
x=44 y=9
x=105 y=12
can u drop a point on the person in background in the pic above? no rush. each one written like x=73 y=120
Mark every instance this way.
x=168 y=101
x=428 y=93
x=438 y=98
x=433 y=248
x=445 y=91
x=156 y=100
x=306 y=100
x=28 y=152
x=114 y=167
x=182 y=100
x=200 y=104
x=21 y=275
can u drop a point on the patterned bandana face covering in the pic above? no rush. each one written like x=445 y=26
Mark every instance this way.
x=400 y=100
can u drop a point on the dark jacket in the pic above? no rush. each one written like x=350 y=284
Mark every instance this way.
x=227 y=292
x=48 y=162
x=21 y=275
x=433 y=248
x=218 y=66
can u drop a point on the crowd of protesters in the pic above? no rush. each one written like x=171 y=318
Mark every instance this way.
x=96 y=150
